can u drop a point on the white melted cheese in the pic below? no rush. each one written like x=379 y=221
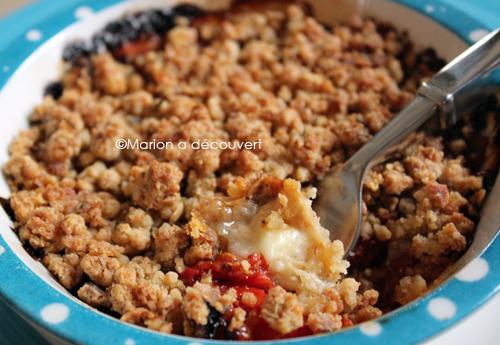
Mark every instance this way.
x=287 y=233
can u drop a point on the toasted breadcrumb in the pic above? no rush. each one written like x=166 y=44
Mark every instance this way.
x=282 y=310
x=410 y=288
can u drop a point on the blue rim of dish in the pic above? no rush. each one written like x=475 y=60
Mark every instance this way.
x=74 y=322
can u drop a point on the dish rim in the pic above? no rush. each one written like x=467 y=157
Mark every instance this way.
x=397 y=326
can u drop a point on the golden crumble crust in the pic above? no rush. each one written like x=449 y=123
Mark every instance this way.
x=282 y=311
x=122 y=227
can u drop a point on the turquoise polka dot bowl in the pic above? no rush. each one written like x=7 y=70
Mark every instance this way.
x=30 y=48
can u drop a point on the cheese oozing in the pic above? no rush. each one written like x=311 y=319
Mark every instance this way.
x=287 y=232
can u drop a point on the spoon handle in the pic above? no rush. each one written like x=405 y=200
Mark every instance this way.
x=436 y=94
x=459 y=73
x=476 y=60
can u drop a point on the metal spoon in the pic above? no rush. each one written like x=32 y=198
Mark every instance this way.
x=339 y=193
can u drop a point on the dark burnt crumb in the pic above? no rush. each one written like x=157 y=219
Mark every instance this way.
x=76 y=52
x=187 y=10
x=489 y=181
x=109 y=312
x=54 y=89
x=480 y=122
x=454 y=131
x=132 y=27
x=368 y=253
x=119 y=32
x=327 y=27
x=5 y=203
x=74 y=291
x=482 y=158
x=487 y=105
x=216 y=324
x=307 y=8
x=158 y=21
x=215 y=328
x=383 y=28
x=240 y=334
x=35 y=253
x=145 y=28
x=429 y=60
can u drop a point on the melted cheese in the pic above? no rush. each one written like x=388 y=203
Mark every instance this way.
x=286 y=231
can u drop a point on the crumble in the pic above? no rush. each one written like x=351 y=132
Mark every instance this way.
x=224 y=243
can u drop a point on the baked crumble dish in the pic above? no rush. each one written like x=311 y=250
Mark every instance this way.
x=224 y=243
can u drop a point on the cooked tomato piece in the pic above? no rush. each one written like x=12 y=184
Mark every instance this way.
x=260 y=330
x=192 y=274
x=133 y=48
x=257 y=261
x=258 y=293
x=346 y=322
x=230 y=269
x=249 y=275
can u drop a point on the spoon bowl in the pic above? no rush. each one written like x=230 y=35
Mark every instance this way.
x=339 y=193
x=339 y=204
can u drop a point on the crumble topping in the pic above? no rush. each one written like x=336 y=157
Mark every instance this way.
x=282 y=310
x=224 y=244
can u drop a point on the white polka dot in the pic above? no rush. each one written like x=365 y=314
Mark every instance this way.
x=55 y=313
x=129 y=341
x=83 y=12
x=33 y=35
x=429 y=8
x=442 y=308
x=6 y=68
x=477 y=34
x=371 y=328
x=476 y=269
x=2 y=250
